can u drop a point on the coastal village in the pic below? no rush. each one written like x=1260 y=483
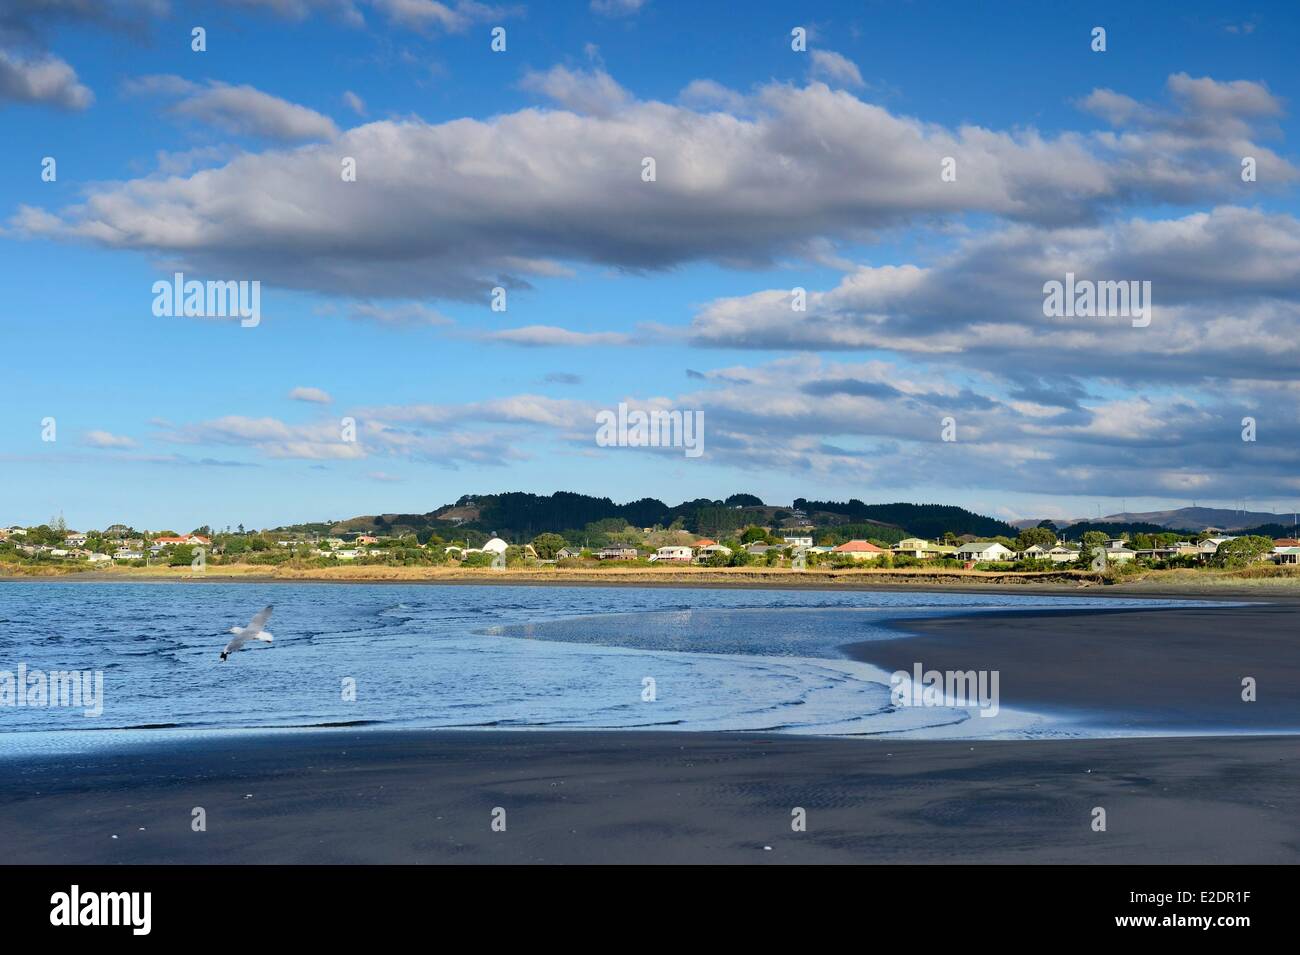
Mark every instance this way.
x=1035 y=549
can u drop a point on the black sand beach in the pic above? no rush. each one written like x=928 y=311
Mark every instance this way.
x=380 y=796
x=346 y=796
x=1166 y=670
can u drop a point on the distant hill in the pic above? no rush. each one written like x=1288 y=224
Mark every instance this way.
x=517 y=515
x=1198 y=518
x=1182 y=519
x=923 y=520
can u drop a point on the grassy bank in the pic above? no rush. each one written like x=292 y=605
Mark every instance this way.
x=1190 y=580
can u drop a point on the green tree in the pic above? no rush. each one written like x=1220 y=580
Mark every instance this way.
x=1241 y=551
x=753 y=534
x=1035 y=535
x=548 y=545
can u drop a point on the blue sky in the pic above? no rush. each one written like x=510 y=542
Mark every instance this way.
x=776 y=169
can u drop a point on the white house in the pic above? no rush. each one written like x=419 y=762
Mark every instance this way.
x=678 y=554
x=98 y=558
x=1034 y=552
x=1060 y=554
x=708 y=550
x=984 y=550
x=797 y=541
x=74 y=539
x=1287 y=555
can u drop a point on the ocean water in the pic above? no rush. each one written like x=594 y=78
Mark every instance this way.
x=475 y=657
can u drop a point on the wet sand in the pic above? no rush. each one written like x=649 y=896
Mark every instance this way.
x=1176 y=670
x=346 y=796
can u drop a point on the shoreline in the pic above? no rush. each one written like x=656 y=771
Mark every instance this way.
x=410 y=796
x=1181 y=585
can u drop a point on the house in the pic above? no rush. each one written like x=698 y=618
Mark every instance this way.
x=681 y=555
x=1034 y=552
x=99 y=558
x=758 y=548
x=125 y=554
x=1282 y=543
x=616 y=553
x=347 y=553
x=365 y=540
x=566 y=552
x=984 y=550
x=194 y=540
x=1119 y=554
x=710 y=550
x=74 y=539
x=797 y=541
x=1287 y=555
x=913 y=547
x=1208 y=547
x=1062 y=554
x=860 y=550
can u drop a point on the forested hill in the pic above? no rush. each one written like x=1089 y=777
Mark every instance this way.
x=519 y=515
x=923 y=520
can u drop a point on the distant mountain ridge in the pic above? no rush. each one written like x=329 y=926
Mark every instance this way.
x=1182 y=519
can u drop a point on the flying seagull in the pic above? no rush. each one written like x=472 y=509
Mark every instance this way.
x=253 y=631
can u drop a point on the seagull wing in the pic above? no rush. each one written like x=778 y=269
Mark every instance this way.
x=258 y=622
x=237 y=641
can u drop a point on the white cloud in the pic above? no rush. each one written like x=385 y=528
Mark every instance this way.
x=106 y=439
x=312 y=395
x=431 y=15
x=354 y=102
x=45 y=80
x=456 y=208
x=617 y=8
x=550 y=335
x=834 y=68
x=592 y=92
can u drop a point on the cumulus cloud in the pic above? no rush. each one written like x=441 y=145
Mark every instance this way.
x=433 y=16
x=835 y=68
x=44 y=80
x=593 y=92
x=33 y=20
x=453 y=209
x=239 y=110
x=345 y=10
x=1225 y=287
